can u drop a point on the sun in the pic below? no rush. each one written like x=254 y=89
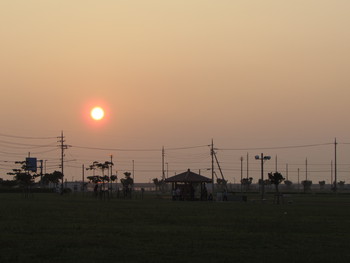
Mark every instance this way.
x=97 y=113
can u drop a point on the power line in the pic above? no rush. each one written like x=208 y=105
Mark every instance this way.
x=29 y=145
x=26 y=137
x=272 y=148
x=137 y=150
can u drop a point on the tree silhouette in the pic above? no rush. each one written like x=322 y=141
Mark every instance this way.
x=288 y=184
x=307 y=185
x=24 y=177
x=276 y=178
x=247 y=182
x=322 y=184
x=160 y=184
x=127 y=183
x=53 y=178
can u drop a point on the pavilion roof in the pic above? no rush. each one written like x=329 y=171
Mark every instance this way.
x=188 y=177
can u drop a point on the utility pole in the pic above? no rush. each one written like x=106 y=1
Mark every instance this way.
x=262 y=177
x=167 y=170
x=110 y=176
x=212 y=165
x=163 y=156
x=287 y=171
x=306 y=169
x=331 y=174
x=276 y=164
x=262 y=158
x=41 y=173
x=83 y=169
x=62 y=147
x=335 y=165
x=298 y=178
x=133 y=170
x=241 y=171
x=247 y=166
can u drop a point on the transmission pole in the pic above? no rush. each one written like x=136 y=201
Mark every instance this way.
x=41 y=173
x=212 y=165
x=163 y=156
x=306 y=169
x=247 y=166
x=335 y=165
x=62 y=147
x=276 y=163
x=241 y=172
x=83 y=173
x=331 y=174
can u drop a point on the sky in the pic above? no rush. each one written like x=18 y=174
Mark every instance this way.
x=251 y=75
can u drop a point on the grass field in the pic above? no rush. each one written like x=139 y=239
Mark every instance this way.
x=76 y=228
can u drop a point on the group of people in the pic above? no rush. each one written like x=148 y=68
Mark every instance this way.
x=187 y=192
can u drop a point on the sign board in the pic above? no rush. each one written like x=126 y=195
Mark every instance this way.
x=31 y=164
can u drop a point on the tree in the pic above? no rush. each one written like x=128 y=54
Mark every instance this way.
x=341 y=184
x=8 y=183
x=322 y=184
x=160 y=184
x=288 y=184
x=24 y=177
x=102 y=166
x=276 y=178
x=127 y=183
x=53 y=178
x=246 y=182
x=307 y=185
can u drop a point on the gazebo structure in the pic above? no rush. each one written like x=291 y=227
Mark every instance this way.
x=184 y=185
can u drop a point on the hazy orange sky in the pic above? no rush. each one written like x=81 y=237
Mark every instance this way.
x=178 y=73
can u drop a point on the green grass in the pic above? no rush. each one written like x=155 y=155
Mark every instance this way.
x=71 y=228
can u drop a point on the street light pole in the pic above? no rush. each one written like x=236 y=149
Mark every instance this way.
x=262 y=158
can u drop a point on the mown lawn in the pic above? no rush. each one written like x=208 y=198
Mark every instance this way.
x=72 y=228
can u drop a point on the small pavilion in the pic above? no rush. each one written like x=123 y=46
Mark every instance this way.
x=184 y=184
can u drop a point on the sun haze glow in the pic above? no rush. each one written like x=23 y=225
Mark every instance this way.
x=97 y=113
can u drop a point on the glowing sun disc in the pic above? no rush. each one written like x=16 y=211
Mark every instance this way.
x=97 y=113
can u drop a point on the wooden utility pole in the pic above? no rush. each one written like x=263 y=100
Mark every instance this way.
x=306 y=169
x=212 y=165
x=62 y=147
x=276 y=164
x=163 y=156
x=111 y=173
x=241 y=172
x=82 y=174
x=335 y=165
x=41 y=173
x=247 y=166
x=331 y=174
x=262 y=176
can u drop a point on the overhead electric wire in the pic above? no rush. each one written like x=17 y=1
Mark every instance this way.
x=30 y=145
x=27 y=137
x=272 y=148
x=137 y=150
